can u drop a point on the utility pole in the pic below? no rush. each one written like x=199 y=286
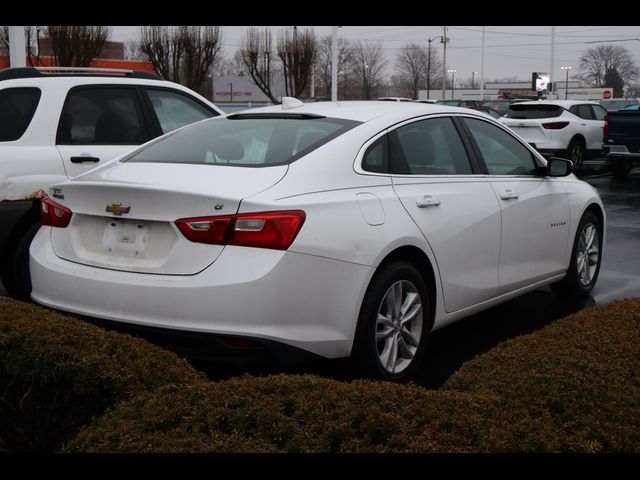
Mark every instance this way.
x=551 y=67
x=566 y=81
x=444 y=64
x=17 y=49
x=482 y=68
x=334 y=64
x=429 y=67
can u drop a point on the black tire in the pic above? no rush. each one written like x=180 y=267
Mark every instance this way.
x=366 y=351
x=14 y=269
x=621 y=167
x=576 y=153
x=574 y=283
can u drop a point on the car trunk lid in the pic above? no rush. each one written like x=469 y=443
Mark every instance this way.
x=124 y=216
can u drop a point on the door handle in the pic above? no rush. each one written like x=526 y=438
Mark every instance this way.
x=509 y=194
x=427 y=201
x=84 y=159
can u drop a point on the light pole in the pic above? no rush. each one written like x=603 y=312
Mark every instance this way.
x=365 y=95
x=429 y=64
x=566 y=81
x=231 y=92
x=453 y=81
x=473 y=80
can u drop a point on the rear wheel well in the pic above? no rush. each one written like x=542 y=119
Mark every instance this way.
x=418 y=259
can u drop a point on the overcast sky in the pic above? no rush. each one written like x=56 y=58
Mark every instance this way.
x=510 y=50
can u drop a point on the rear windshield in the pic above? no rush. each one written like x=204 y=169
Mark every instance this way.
x=533 y=111
x=250 y=140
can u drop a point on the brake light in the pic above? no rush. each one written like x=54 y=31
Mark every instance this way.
x=274 y=230
x=53 y=214
x=605 y=130
x=555 y=125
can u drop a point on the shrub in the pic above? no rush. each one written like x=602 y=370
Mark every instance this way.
x=572 y=386
x=56 y=372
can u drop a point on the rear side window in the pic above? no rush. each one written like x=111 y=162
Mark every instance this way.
x=582 y=111
x=175 y=110
x=101 y=116
x=17 y=106
x=245 y=141
x=428 y=147
x=531 y=112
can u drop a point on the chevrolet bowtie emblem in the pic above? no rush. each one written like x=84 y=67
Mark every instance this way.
x=117 y=208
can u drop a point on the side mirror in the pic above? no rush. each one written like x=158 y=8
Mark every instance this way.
x=557 y=167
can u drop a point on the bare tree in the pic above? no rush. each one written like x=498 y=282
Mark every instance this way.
x=297 y=52
x=346 y=56
x=369 y=66
x=256 y=54
x=412 y=68
x=183 y=54
x=596 y=62
x=77 y=45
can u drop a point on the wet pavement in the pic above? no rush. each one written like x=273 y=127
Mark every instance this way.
x=451 y=346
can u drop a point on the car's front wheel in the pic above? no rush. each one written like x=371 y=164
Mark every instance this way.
x=586 y=258
x=393 y=325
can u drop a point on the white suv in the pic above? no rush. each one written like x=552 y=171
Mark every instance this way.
x=57 y=123
x=572 y=129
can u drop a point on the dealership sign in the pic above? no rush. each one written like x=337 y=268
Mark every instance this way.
x=593 y=94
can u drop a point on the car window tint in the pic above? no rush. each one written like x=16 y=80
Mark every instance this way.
x=584 y=111
x=245 y=142
x=530 y=112
x=175 y=110
x=375 y=158
x=428 y=147
x=17 y=106
x=502 y=153
x=598 y=112
x=101 y=116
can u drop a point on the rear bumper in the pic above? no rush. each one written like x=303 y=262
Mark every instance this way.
x=302 y=301
x=619 y=151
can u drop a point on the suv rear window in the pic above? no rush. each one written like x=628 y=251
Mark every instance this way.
x=17 y=106
x=533 y=111
x=248 y=140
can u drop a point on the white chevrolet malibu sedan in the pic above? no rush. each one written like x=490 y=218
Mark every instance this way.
x=328 y=230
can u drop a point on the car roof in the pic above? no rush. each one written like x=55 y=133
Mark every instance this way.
x=362 y=110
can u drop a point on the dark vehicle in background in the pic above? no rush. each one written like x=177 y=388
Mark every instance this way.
x=502 y=105
x=614 y=104
x=489 y=111
x=621 y=140
x=460 y=103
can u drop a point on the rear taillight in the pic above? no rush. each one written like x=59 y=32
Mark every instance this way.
x=275 y=230
x=555 y=125
x=605 y=130
x=53 y=214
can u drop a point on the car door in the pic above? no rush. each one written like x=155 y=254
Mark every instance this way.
x=99 y=123
x=534 y=209
x=454 y=207
x=591 y=127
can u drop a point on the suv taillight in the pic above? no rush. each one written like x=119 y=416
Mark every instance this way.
x=555 y=125
x=275 y=230
x=53 y=214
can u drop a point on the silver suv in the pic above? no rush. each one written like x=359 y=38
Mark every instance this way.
x=56 y=123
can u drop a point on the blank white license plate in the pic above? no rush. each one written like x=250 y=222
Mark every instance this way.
x=126 y=238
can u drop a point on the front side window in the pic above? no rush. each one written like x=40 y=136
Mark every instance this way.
x=251 y=140
x=101 y=116
x=502 y=153
x=17 y=107
x=175 y=110
x=428 y=147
